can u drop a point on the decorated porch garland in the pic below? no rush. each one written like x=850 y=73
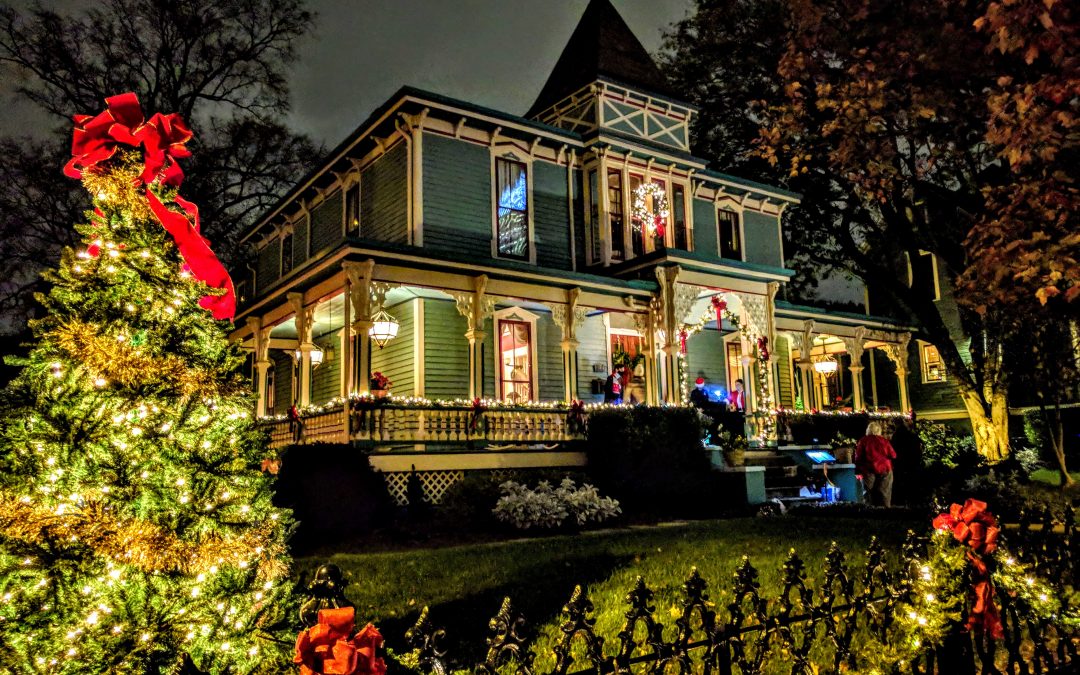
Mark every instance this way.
x=654 y=221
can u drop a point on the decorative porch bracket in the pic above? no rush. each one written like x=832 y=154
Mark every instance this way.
x=676 y=302
x=855 y=349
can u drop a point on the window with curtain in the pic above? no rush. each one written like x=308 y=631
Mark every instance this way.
x=681 y=236
x=512 y=188
x=616 y=222
x=933 y=369
x=352 y=210
x=637 y=232
x=728 y=234
x=286 y=254
x=515 y=361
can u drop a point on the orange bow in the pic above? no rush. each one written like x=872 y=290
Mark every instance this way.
x=326 y=649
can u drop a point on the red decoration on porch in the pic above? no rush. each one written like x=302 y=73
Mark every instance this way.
x=659 y=225
x=575 y=417
x=719 y=305
x=296 y=425
x=682 y=341
x=327 y=649
x=763 y=348
x=973 y=525
x=476 y=417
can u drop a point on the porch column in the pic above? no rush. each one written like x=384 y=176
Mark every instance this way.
x=358 y=275
x=898 y=354
x=304 y=315
x=475 y=307
x=569 y=317
x=676 y=301
x=345 y=374
x=260 y=338
x=854 y=346
x=805 y=341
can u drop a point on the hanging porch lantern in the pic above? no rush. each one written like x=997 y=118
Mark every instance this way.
x=383 y=329
x=826 y=365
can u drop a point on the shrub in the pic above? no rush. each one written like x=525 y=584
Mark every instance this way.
x=548 y=508
x=653 y=460
x=946 y=446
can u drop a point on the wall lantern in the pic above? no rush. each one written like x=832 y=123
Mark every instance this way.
x=317 y=356
x=383 y=329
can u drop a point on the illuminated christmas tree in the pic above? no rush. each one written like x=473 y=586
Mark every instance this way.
x=135 y=523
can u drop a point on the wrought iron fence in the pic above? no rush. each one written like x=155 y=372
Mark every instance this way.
x=807 y=628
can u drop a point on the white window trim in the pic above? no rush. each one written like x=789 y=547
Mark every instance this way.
x=729 y=203
x=923 y=369
x=520 y=315
x=514 y=153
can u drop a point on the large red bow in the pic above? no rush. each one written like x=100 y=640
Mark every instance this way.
x=973 y=525
x=327 y=649
x=163 y=137
x=196 y=252
x=719 y=305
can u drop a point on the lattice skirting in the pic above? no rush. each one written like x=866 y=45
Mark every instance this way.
x=434 y=484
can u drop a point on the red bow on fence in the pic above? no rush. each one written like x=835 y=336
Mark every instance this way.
x=327 y=649
x=476 y=416
x=575 y=417
x=973 y=525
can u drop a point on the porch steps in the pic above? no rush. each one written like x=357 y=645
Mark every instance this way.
x=782 y=480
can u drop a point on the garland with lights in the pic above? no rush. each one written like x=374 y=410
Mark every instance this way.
x=955 y=587
x=654 y=221
x=137 y=531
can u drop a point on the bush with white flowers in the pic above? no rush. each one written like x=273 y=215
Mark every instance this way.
x=547 y=507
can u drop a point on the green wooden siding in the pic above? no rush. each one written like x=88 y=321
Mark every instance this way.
x=579 y=219
x=551 y=229
x=457 y=197
x=395 y=360
x=592 y=351
x=549 y=359
x=785 y=388
x=301 y=234
x=762 y=239
x=326 y=222
x=283 y=374
x=705 y=227
x=268 y=266
x=705 y=357
x=326 y=379
x=384 y=198
x=446 y=352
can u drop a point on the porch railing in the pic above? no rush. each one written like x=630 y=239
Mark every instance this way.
x=394 y=423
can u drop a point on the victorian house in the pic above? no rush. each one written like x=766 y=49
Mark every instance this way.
x=466 y=253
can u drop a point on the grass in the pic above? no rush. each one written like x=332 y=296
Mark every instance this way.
x=464 y=585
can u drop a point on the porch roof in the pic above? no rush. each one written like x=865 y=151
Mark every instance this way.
x=796 y=311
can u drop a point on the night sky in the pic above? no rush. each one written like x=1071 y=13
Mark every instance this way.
x=495 y=53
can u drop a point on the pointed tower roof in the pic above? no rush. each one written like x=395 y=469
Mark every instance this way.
x=601 y=47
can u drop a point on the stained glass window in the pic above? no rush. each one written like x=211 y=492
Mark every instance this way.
x=511 y=184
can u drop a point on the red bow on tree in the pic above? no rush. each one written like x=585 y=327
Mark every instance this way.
x=197 y=254
x=327 y=649
x=163 y=137
x=973 y=525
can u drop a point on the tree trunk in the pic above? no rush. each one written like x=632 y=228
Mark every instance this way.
x=991 y=428
x=1055 y=434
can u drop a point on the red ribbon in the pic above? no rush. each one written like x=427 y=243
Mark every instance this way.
x=973 y=525
x=719 y=305
x=163 y=138
x=477 y=415
x=197 y=254
x=763 y=348
x=327 y=649
x=682 y=341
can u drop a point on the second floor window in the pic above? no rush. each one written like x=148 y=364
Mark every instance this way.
x=286 y=254
x=352 y=210
x=681 y=236
x=933 y=369
x=512 y=188
x=615 y=213
x=729 y=234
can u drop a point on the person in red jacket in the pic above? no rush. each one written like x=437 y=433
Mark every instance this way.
x=873 y=460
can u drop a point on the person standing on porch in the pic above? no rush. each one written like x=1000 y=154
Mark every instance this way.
x=737 y=398
x=613 y=388
x=873 y=460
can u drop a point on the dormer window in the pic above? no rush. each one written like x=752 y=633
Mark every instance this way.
x=286 y=253
x=512 y=208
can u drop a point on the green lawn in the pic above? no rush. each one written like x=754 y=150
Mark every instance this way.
x=464 y=585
